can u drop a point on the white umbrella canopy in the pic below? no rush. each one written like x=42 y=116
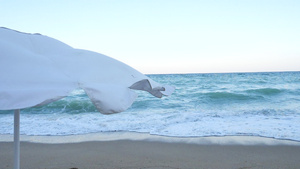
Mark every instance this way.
x=36 y=70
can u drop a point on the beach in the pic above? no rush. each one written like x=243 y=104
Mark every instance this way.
x=159 y=152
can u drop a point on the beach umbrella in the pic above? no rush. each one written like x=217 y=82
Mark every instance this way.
x=36 y=70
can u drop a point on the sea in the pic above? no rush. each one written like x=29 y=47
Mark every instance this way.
x=263 y=104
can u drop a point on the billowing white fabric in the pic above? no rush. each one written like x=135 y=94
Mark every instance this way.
x=36 y=70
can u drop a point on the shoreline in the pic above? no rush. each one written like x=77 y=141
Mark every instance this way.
x=136 y=136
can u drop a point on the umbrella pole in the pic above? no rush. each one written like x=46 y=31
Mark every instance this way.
x=17 y=139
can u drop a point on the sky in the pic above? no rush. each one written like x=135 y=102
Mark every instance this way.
x=170 y=36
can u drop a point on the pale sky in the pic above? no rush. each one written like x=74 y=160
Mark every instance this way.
x=170 y=36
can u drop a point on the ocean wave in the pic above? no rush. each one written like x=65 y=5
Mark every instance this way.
x=279 y=113
x=266 y=91
x=64 y=106
x=228 y=96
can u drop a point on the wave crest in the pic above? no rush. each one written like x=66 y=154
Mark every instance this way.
x=228 y=96
x=265 y=91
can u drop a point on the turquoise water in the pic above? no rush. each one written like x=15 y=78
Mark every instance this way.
x=260 y=104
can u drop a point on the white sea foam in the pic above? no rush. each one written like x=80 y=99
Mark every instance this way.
x=134 y=136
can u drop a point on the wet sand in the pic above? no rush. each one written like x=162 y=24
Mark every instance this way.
x=141 y=154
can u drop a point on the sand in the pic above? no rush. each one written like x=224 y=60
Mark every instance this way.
x=145 y=154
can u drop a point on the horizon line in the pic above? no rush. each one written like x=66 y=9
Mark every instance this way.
x=178 y=73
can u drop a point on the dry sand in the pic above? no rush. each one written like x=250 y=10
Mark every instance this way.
x=150 y=154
